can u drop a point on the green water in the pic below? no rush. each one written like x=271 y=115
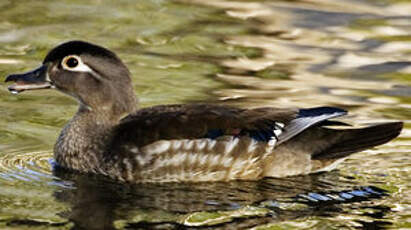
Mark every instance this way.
x=351 y=54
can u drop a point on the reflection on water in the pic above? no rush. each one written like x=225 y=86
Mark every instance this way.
x=351 y=54
x=111 y=205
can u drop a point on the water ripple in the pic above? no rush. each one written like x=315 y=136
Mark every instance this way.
x=26 y=166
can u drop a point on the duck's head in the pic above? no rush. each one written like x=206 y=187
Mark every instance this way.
x=93 y=75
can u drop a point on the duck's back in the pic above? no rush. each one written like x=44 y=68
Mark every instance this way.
x=218 y=143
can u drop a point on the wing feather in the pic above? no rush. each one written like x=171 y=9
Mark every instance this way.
x=193 y=121
x=307 y=118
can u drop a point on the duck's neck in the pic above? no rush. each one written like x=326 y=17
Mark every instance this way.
x=83 y=140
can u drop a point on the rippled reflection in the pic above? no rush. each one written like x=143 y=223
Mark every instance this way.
x=110 y=204
x=351 y=54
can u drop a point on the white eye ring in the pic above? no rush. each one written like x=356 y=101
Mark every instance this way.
x=74 y=63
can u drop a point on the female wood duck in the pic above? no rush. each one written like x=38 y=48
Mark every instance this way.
x=196 y=142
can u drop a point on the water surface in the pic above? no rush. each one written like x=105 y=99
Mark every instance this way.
x=351 y=54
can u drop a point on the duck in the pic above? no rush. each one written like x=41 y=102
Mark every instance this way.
x=110 y=135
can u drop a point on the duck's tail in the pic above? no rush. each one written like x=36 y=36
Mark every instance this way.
x=354 y=140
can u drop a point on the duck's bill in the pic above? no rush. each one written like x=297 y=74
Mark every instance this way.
x=35 y=79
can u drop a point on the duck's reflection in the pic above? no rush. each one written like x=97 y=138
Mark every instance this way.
x=100 y=203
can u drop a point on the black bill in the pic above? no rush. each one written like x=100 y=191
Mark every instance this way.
x=35 y=79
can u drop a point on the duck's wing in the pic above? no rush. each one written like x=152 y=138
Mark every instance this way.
x=173 y=122
x=309 y=117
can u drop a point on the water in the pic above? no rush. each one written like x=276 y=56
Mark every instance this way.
x=351 y=54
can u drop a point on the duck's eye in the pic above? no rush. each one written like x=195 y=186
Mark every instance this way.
x=75 y=64
x=71 y=62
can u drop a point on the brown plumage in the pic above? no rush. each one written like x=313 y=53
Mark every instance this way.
x=197 y=142
x=166 y=122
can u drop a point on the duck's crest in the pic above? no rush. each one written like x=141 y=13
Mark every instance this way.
x=77 y=48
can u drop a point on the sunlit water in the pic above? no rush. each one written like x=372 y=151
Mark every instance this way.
x=351 y=54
